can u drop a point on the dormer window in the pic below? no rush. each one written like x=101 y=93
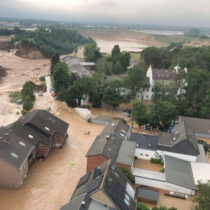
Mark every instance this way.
x=22 y=143
x=46 y=128
x=14 y=155
x=122 y=135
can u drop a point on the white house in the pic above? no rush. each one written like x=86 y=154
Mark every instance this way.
x=181 y=143
x=156 y=75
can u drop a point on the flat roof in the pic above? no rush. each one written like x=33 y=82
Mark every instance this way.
x=179 y=172
x=201 y=171
x=126 y=153
x=145 y=193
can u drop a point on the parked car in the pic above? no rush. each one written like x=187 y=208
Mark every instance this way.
x=148 y=127
x=54 y=94
x=40 y=93
x=127 y=110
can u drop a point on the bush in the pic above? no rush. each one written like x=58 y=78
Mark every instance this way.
x=141 y=206
x=42 y=78
x=162 y=170
x=128 y=174
x=155 y=160
x=23 y=112
x=14 y=96
x=85 y=106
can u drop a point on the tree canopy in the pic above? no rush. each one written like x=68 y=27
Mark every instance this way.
x=92 y=52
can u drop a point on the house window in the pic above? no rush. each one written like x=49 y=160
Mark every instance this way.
x=147 y=155
x=41 y=146
x=141 y=154
x=56 y=137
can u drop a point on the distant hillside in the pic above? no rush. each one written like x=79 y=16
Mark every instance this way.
x=51 y=41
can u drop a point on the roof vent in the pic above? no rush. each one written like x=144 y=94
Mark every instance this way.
x=113 y=124
x=149 y=145
x=174 y=138
x=83 y=203
x=107 y=137
x=137 y=145
x=6 y=138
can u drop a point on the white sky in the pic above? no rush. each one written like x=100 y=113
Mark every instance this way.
x=171 y=12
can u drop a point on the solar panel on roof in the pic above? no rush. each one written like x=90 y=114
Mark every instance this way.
x=94 y=184
x=83 y=179
x=117 y=194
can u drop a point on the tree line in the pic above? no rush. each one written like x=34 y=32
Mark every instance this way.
x=51 y=40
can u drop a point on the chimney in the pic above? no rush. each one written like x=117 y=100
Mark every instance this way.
x=83 y=203
x=6 y=138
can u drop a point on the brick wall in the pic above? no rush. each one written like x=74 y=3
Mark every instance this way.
x=94 y=161
x=123 y=166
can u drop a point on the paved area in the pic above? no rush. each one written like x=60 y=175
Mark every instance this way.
x=48 y=83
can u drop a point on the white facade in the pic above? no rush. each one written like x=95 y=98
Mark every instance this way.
x=148 y=154
x=163 y=185
x=158 y=180
x=147 y=94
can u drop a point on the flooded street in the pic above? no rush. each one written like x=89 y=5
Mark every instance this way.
x=50 y=183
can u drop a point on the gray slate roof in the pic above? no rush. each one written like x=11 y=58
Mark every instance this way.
x=28 y=133
x=144 y=141
x=198 y=125
x=109 y=143
x=179 y=172
x=43 y=120
x=164 y=74
x=76 y=67
x=111 y=180
x=16 y=151
x=145 y=193
x=185 y=143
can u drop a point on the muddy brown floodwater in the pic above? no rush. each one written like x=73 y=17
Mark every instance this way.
x=50 y=183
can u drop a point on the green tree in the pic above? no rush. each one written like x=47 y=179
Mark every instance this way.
x=205 y=108
x=135 y=80
x=112 y=97
x=162 y=114
x=97 y=98
x=55 y=59
x=141 y=206
x=61 y=76
x=118 y=68
x=27 y=91
x=139 y=112
x=28 y=104
x=202 y=198
x=197 y=87
x=116 y=51
x=91 y=52
x=105 y=67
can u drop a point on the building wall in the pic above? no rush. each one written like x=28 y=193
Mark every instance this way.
x=148 y=154
x=94 y=161
x=127 y=167
x=42 y=150
x=58 y=140
x=101 y=197
x=163 y=185
x=10 y=177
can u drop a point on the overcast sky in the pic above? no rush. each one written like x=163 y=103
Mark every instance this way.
x=170 y=12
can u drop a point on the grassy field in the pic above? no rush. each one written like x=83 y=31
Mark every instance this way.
x=5 y=38
x=135 y=57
